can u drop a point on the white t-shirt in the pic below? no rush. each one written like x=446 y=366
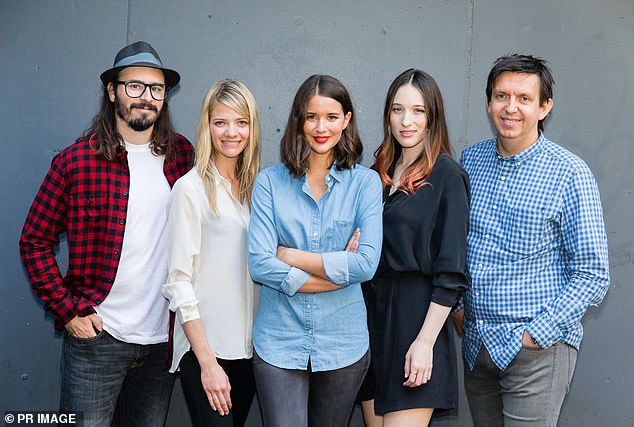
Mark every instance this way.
x=135 y=311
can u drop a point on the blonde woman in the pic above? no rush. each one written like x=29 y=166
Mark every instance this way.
x=209 y=286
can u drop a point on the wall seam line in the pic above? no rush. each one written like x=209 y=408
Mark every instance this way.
x=467 y=78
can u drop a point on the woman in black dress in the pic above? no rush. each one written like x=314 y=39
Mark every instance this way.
x=422 y=271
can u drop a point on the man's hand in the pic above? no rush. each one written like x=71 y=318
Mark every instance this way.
x=84 y=327
x=457 y=321
x=527 y=341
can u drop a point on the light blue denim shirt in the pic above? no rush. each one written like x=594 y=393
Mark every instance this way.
x=328 y=328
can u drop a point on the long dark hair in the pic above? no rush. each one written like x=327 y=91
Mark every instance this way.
x=435 y=143
x=107 y=141
x=294 y=146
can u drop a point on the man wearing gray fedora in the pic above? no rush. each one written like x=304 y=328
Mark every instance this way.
x=107 y=193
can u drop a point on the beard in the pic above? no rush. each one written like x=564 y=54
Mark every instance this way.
x=140 y=122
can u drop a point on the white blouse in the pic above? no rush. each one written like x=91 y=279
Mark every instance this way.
x=208 y=273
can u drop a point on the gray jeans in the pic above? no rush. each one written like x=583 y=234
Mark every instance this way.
x=529 y=392
x=296 y=398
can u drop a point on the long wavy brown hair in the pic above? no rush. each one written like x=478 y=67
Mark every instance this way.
x=435 y=143
x=107 y=141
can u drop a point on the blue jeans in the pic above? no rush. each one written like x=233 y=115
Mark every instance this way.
x=529 y=392
x=296 y=397
x=114 y=382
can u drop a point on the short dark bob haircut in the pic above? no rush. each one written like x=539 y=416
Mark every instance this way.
x=295 y=148
x=527 y=64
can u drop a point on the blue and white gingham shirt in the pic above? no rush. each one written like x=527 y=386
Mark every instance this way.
x=537 y=248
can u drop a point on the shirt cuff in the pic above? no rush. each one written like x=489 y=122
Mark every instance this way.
x=445 y=297
x=182 y=300
x=459 y=305
x=544 y=331
x=336 y=267
x=294 y=280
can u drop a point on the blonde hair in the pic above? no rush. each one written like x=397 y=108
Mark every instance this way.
x=235 y=95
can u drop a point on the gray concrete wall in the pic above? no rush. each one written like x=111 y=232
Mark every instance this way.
x=51 y=53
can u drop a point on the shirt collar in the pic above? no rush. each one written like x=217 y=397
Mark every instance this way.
x=217 y=178
x=335 y=173
x=523 y=156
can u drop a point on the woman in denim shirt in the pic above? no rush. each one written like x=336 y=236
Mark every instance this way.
x=310 y=333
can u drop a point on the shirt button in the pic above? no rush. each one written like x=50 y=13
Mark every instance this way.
x=310 y=332
x=480 y=322
x=121 y=221
x=502 y=178
x=480 y=265
x=307 y=305
x=315 y=234
x=125 y=194
x=494 y=206
x=477 y=294
x=116 y=251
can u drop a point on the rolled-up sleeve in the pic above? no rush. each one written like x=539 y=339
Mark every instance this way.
x=344 y=268
x=451 y=278
x=184 y=234
x=585 y=244
x=264 y=266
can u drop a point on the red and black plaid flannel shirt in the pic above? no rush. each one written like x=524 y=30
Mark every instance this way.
x=86 y=197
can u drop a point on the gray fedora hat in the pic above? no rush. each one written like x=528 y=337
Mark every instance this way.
x=139 y=54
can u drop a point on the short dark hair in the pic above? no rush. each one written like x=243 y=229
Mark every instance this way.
x=294 y=146
x=528 y=64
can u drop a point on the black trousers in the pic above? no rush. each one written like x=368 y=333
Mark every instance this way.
x=240 y=373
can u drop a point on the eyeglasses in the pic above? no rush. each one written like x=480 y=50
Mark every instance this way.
x=136 y=89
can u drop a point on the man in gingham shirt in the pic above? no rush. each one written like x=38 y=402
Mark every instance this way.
x=108 y=193
x=537 y=254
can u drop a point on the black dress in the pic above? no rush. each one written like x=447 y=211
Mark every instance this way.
x=423 y=260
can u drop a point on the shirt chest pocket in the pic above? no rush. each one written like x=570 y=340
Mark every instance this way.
x=88 y=211
x=339 y=234
x=525 y=231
